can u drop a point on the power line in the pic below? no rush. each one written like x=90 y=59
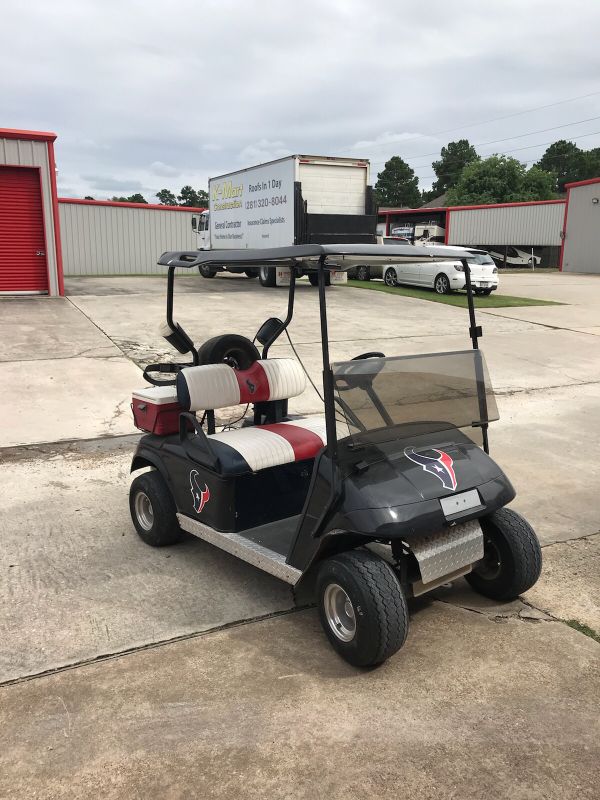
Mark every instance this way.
x=475 y=124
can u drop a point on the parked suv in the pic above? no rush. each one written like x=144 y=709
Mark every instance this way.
x=447 y=276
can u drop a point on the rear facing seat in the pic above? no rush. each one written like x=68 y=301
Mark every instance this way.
x=213 y=386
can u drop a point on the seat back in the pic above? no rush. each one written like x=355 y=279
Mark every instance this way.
x=211 y=386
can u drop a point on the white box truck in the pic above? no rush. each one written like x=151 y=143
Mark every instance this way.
x=294 y=200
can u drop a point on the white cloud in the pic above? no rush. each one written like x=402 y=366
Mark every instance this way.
x=164 y=170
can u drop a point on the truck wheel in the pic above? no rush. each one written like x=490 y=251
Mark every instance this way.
x=363 y=273
x=313 y=279
x=442 y=284
x=206 y=271
x=230 y=348
x=512 y=557
x=251 y=273
x=362 y=607
x=267 y=276
x=390 y=278
x=153 y=510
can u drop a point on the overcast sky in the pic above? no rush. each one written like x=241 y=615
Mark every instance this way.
x=150 y=95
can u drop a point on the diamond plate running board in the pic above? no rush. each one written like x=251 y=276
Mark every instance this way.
x=448 y=550
x=244 y=549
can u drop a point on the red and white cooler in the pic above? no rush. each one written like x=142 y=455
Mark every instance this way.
x=156 y=410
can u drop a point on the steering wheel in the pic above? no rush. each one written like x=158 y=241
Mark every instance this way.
x=354 y=377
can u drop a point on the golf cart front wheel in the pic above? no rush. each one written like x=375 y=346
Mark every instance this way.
x=390 y=278
x=442 y=284
x=362 y=607
x=512 y=557
x=153 y=510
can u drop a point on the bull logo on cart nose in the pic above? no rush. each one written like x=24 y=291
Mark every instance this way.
x=199 y=495
x=441 y=465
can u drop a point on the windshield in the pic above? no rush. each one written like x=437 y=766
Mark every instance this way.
x=480 y=258
x=380 y=399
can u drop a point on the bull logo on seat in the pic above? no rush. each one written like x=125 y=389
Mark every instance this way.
x=441 y=465
x=200 y=496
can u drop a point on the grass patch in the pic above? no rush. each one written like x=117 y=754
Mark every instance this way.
x=493 y=300
x=585 y=629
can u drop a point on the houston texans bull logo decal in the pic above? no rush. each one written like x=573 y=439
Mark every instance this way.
x=199 y=495
x=440 y=464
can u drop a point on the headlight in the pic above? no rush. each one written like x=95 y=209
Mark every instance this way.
x=459 y=268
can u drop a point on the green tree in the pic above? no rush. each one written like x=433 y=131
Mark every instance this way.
x=188 y=197
x=202 y=197
x=166 y=197
x=397 y=185
x=566 y=161
x=133 y=198
x=500 y=179
x=88 y=197
x=453 y=158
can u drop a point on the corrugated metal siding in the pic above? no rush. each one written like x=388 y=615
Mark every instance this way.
x=582 y=241
x=533 y=225
x=108 y=240
x=27 y=153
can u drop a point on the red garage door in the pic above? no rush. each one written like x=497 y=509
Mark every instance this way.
x=22 y=246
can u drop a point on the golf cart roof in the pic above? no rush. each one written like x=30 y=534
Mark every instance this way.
x=338 y=257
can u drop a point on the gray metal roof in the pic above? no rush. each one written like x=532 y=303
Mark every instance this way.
x=338 y=257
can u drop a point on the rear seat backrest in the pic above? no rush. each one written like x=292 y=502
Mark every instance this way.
x=211 y=386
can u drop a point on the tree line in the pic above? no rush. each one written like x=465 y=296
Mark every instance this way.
x=188 y=197
x=464 y=178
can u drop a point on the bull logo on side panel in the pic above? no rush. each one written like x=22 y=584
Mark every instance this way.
x=439 y=464
x=200 y=496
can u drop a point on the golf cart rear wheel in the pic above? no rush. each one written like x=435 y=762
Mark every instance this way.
x=362 y=607
x=267 y=277
x=153 y=510
x=390 y=278
x=512 y=557
x=313 y=279
x=363 y=273
x=230 y=348
x=206 y=271
x=442 y=284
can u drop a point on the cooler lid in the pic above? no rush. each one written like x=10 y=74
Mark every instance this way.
x=158 y=395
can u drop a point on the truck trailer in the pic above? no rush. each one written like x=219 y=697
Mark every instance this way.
x=294 y=200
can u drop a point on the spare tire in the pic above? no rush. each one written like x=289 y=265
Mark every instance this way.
x=229 y=348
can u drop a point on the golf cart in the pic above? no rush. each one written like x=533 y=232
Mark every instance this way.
x=387 y=495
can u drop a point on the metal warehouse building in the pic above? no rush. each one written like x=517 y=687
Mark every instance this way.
x=581 y=244
x=496 y=227
x=105 y=238
x=30 y=253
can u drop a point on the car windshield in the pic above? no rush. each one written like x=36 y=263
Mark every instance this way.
x=480 y=258
x=382 y=399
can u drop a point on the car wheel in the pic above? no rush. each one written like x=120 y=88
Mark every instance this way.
x=362 y=607
x=442 y=284
x=229 y=348
x=512 y=557
x=363 y=273
x=153 y=510
x=267 y=277
x=390 y=277
x=206 y=271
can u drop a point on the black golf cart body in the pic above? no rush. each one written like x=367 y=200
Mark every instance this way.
x=399 y=459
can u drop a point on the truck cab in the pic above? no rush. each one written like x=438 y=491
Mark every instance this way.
x=201 y=224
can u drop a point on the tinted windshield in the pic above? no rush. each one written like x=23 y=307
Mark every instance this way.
x=435 y=392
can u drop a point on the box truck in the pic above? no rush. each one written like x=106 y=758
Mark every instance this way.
x=298 y=199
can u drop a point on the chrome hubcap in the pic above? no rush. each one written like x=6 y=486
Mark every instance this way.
x=339 y=612
x=144 y=511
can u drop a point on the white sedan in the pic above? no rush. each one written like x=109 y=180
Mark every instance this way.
x=447 y=276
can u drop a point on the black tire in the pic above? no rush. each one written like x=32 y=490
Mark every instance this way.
x=206 y=271
x=363 y=273
x=251 y=273
x=230 y=348
x=485 y=292
x=379 y=609
x=390 y=278
x=441 y=284
x=512 y=559
x=267 y=277
x=313 y=279
x=153 y=511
